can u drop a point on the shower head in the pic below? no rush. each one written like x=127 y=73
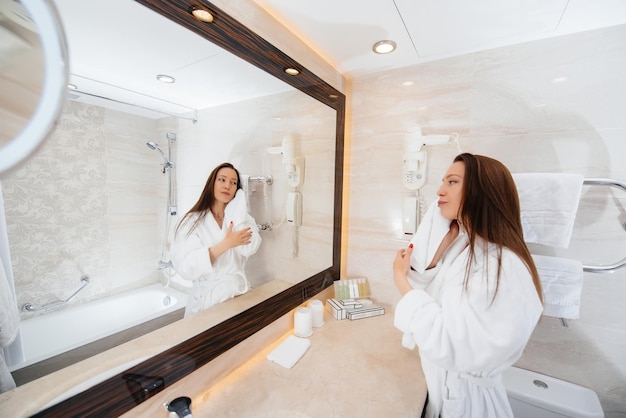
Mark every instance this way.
x=153 y=145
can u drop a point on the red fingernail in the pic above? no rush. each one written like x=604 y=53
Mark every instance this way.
x=411 y=245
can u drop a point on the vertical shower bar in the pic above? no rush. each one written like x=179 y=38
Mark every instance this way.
x=172 y=207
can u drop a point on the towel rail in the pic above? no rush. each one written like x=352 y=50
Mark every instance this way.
x=262 y=179
x=605 y=268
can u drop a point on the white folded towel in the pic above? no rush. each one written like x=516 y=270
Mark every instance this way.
x=430 y=232
x=289 y=351
x=548 y=202
x=561 y=281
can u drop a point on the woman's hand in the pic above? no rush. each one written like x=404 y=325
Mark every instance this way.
x=401 y=266
x=233 y=239
x=236 y=238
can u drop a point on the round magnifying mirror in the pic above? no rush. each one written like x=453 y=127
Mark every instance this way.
x=33 y=76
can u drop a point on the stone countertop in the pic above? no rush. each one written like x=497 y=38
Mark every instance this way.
x=352 y=369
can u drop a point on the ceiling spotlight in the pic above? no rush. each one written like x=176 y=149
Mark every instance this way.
x=72 y=86
x=166 y=78
x=384 y=47
x=202 y=15
x=292 y=71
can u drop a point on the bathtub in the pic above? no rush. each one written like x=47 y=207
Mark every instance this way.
x=113 y=319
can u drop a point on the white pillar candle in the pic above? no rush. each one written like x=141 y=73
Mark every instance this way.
x=303 y=322
x=317 y=311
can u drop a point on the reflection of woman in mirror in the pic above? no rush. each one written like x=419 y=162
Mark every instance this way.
x=214 y=239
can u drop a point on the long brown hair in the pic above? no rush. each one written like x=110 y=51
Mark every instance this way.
x=490 y=209
x=207 y=197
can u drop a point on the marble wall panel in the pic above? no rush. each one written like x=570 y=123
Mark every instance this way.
x=508 y=103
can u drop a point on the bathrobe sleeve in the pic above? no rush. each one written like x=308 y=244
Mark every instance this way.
x=190 y=252
x=463 y=330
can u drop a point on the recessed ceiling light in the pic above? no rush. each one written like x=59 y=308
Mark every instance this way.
x=384 y=47
x=166 y=78
x=292 y=71
x=72 y=86
x=559 y=79
x=202 y=15
x=408 y=83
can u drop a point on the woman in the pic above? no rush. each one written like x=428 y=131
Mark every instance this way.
x=471 y=295
x=214 y=239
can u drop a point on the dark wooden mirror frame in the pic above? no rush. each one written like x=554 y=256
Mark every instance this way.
x=127 y=389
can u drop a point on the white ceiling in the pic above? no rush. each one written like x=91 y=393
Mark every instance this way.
x=426 y=30
x=110 y=57
x=117 y=47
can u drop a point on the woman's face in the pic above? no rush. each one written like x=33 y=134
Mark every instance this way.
x=451 y=191
x=225 y=185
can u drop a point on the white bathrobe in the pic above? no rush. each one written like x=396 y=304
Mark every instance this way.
x=466 y=340
x=226 y=278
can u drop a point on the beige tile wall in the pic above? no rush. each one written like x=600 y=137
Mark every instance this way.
x=505 y=103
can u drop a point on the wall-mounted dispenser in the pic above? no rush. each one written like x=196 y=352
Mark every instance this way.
x=294 y=164
x=413 y=160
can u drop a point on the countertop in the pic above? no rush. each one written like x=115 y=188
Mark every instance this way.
x=353 y=368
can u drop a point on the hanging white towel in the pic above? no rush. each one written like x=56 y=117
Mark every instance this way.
x=430 y=232
x=548 y=202
x=237 y=209
x=561 y=281
x=245 y=185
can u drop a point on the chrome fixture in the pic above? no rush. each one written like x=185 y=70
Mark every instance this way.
x=167 y=163
x=165 y=265
x=262 y=179
x=29 y=307
x=607 y=268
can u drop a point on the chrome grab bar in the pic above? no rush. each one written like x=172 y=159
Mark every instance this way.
x=29 y=307
x=608 y=268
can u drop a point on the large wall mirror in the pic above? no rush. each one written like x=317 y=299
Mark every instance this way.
x=125 y=163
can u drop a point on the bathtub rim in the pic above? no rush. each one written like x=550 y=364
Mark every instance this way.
x=180 y=296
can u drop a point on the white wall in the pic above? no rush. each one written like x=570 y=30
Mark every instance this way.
x=505 y=103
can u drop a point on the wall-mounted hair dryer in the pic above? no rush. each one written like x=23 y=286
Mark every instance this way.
x=414 y=165
x=414 y=159
x=294 y=164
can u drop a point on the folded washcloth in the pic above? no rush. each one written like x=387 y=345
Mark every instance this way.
x=561 y=281
x=289 y=351
x=430 y=232
x=548 y=202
